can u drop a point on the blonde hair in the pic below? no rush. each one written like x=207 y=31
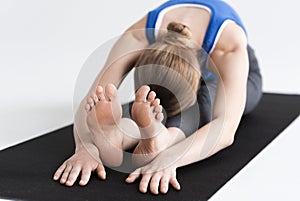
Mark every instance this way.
x=171 y=68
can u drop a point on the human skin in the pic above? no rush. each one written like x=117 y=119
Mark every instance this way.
x=231 y=68
x=109 y=129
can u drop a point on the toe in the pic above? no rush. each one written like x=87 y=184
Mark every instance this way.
x=155 y=102
x=151 y=96
x=110 y=91
x=100 y=93
x=87 y=107
x=141 y=94
x=95 y=98
x=159 y=116
x=158 y=109
x=91 y=102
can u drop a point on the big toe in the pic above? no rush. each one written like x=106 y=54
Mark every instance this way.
x=111 y=91
x=100 y=93
x=141 y=94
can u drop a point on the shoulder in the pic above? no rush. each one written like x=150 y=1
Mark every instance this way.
x=232 y=38
x=230 y=55
x=137 y=30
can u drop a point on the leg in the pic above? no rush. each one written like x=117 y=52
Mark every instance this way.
x=110 y=132
x=197 y=115
x=187 y=121
x=155 y=137
x=254 y=84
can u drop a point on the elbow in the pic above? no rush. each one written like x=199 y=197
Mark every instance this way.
x=228 y=142
x=228 y=135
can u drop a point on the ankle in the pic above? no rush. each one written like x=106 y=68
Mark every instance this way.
x=156 y=143
x=152 y=131
x=108 y=136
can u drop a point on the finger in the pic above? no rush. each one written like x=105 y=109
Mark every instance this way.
x=74 y=173
x=85 y=176
x=154 y=184
x=59 y=171
x=144 y=183
x=133 y=176
x=175 y=183
x=65 y=174
x=101 y=172
x=164 y=184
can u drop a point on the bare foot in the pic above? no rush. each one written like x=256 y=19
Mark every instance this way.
x=104 y=113
x=106 y=105
x=155 y=137
x=147 y=111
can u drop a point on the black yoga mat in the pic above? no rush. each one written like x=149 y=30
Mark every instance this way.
x=26 y=169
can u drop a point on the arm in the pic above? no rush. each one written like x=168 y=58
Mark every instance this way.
x=232 y=65
x=231 y=62
x=119 y=62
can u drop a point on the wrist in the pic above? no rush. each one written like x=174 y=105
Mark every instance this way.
x=169 y=159
x=88 y=148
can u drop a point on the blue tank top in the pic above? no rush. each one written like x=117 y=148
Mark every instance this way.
x=220 y=12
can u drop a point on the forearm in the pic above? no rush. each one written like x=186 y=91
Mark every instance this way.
x=81 y=132
x=121 y=59
x=205 y=142
x=119 y=62
x=227 y=112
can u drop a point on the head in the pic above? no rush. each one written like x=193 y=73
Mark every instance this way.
x=171 y=68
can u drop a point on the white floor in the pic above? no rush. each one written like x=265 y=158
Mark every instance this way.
x=44 y=44
x=272 y=175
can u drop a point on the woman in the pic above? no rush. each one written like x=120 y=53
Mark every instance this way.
x=228 y=86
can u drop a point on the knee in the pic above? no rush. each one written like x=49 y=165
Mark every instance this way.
x=254 y=91
x=252 y=101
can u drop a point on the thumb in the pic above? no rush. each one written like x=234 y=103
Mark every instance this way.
x=100 y=170
x=133 y=176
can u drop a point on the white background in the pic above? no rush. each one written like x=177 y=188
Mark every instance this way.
x=43 y=45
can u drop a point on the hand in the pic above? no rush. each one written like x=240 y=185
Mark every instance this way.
x=81 y=162
x=156 y=176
